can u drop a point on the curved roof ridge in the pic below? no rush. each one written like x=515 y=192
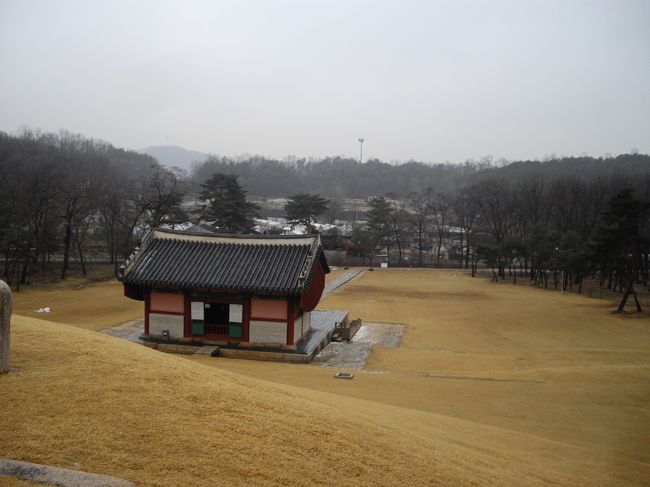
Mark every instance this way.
x=239 y=239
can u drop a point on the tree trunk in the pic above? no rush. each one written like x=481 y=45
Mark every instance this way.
x=6 y=271
x=632 y=278
x=388 y=251
x=399 y=247
x=25 y=272
x=81 y=258
x=66 y=246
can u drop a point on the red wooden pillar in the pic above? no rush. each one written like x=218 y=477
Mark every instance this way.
x=290 y=321
x=246 y=318
x=187 y=316
x=147 y=307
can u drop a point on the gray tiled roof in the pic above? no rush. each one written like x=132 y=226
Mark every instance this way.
x=232 y=263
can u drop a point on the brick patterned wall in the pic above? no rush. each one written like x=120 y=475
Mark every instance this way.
x=268 y=332
x=159 y=322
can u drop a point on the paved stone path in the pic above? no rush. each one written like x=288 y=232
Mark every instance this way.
x=130 y=330
x=353 y=354
x=62 y=477
x=346 y=276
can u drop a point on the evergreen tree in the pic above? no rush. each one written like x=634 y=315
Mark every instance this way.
x=620 y=240
x=379 y=221
x=305 y=208
x=226 y=206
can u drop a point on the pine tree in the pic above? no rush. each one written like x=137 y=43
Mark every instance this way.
x=226 y=206
x=304 y=209
x=619 y=239
x=379 y=215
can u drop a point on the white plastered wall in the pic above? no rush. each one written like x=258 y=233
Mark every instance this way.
x=297 y=331
x=297 y=327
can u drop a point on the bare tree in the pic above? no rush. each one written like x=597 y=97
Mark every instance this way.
x=466 y=216
x=441 y=214
x=497 y=208
x=419 y=214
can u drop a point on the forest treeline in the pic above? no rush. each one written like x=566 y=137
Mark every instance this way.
x=65 y=196
x=339 y=178
x=561 y=230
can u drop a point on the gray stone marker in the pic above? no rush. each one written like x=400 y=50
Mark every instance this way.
x=5 y=326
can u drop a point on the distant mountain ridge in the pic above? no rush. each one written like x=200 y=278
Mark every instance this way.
x=175 y=156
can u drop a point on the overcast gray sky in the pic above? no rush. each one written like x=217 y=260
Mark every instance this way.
x=428 y=80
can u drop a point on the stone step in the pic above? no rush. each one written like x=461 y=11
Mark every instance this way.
x=209 y=350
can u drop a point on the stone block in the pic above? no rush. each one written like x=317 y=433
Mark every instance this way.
x=295 y=358
x=272 y=356
x=228 y=352
x=248 y=354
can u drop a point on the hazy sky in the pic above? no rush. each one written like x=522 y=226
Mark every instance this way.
x=428 y=80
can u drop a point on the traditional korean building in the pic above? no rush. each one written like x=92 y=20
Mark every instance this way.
x=244 y=290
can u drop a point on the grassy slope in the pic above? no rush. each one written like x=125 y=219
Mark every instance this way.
x=567 y=370
x=570 y=406
x=109 y=406
x=89 y=305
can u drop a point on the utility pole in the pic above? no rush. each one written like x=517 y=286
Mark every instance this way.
x=361 y=139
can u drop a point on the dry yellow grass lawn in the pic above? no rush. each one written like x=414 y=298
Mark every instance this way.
x=334 y=273
x=492 y=385
x=534 y=363
x=105 y=405
x=90 y=305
